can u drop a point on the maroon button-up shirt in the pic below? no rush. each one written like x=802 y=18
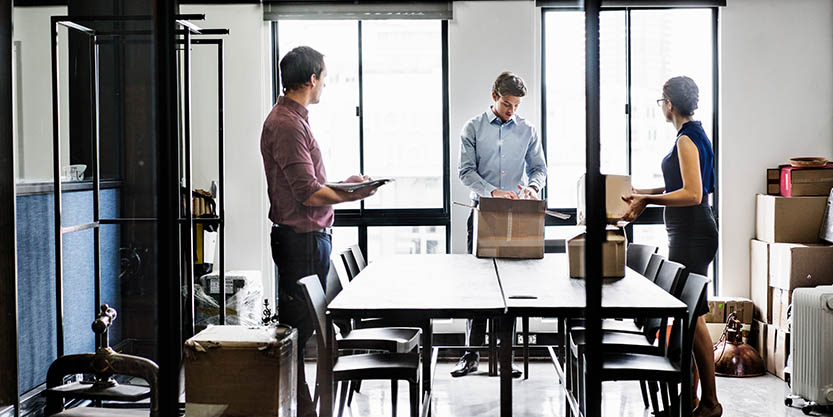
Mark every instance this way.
x=294 y=170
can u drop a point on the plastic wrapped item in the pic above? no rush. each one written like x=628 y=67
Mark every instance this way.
x=244 y=290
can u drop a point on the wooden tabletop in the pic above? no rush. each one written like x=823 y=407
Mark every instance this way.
x=423 y=286
x=544 y=286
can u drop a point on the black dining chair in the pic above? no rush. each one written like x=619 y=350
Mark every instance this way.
x=665 y=368
x=652 y=268
x=384 y=366
x=639 y=255
x=349 y=259
x=359 y=256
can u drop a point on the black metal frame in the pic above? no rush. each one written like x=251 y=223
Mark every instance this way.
x=9 y=394
x=362 y=217
x=651 y=215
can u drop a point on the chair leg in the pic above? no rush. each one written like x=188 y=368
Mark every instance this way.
x=675 y=400
x=525 y=323
x=493 y=361
x=352 y=390
x=642 y=387
x=342 y=396
x=666 y=404
x=653 y=388
x=315 y=394
x=413 y=388
x=394 y=394
x=580 y=387
x=358 y=386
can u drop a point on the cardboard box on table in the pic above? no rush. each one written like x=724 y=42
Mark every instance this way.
x=241 y=371
x=505 y=228
x=788 y=219
x=613 y=254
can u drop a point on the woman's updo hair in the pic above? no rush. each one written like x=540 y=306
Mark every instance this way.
x=683 y=94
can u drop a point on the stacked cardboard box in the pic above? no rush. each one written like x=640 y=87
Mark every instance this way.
x=721 y=307
x=785 y=255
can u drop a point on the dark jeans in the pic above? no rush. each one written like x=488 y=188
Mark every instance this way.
x=298 y=255
x=476 y=328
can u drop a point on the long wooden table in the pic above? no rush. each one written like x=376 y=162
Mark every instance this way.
x=424 y=287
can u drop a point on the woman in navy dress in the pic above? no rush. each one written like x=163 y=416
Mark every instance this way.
x=688 y=171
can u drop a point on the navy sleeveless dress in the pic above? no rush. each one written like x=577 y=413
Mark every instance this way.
x=692 y=230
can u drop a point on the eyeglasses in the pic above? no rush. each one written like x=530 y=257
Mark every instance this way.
x=661 y=101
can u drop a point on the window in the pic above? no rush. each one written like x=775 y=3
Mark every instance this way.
x=382 y=113
x=639 y=50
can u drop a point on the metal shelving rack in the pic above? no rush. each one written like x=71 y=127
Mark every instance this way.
x=186 y=31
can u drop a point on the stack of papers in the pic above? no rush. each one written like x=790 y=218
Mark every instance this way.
x=353 y=186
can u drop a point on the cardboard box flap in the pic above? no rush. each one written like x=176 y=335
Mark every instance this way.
x=504 y=205
x=236 y=337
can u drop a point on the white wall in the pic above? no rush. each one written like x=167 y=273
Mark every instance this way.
x=486 y=38
x=248 y=97
x=777 y=102
x=33 y=92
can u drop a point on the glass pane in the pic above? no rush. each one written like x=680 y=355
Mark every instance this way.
x=403 y=111
x=661 y=51
x=651 y=234
x=384 y=241
x=333 y=120
x=344 y=237
x=565 y=102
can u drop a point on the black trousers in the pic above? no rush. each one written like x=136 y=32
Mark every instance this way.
x=298 y=255
x=476 y=328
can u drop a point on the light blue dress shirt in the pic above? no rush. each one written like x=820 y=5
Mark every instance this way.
x=494 y=155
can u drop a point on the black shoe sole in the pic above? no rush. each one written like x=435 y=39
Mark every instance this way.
x=459 y=374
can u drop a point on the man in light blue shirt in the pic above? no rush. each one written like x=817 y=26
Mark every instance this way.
x=498 y=149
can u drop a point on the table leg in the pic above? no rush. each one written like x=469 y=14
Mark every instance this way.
x=685 y=366
x=427 y=349
x=566 y=363
x=493 y=336
x=505 y=356
x=525 y=324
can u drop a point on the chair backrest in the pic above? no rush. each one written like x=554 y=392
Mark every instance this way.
x=334 y=285
x=691 y=293
x=359 y=256
x=639 y=255
x=349 y=262
x=653 y=266
x=337 y=264
x=669 y=276
x=317 y=307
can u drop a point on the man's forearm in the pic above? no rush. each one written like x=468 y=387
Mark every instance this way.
x=326 y=196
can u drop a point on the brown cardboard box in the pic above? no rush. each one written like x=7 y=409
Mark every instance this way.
x=742 y=307
x=773 y=181
x=616 y=186
x=717 y=311
x=251 y=370
x=793 y=220
x=757 y=338
x=777 y=351
x=613 y=255
x=506 y=228
x=796 y=265
x=759 y=280
x=781 y=300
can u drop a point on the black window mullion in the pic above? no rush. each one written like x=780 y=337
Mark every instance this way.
x=628 y=101
x=544 y=192
x=715 y=139
x=361 y=113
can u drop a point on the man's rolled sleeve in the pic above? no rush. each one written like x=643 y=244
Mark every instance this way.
x=293 y=157
x=536 y=163
x=467 y=167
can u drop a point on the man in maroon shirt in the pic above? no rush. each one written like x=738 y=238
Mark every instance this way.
x=301 y=205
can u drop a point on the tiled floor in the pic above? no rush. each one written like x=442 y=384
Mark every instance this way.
x=541 y=395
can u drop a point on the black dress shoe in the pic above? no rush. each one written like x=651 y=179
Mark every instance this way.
x=516 y=373
x=468 y=363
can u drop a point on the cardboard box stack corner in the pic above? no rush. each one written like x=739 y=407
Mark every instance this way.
x=785 y=254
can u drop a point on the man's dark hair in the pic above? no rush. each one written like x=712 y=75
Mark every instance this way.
x=298 y=65
x=508 y=84
x=683 y=93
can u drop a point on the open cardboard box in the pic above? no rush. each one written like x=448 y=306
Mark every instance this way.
x=616 y=187
x=505 y=228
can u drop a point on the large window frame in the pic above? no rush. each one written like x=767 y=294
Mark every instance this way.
x=363 y=217
x=653 y=215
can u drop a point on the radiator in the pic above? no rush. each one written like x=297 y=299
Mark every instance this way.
x=812 y=344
